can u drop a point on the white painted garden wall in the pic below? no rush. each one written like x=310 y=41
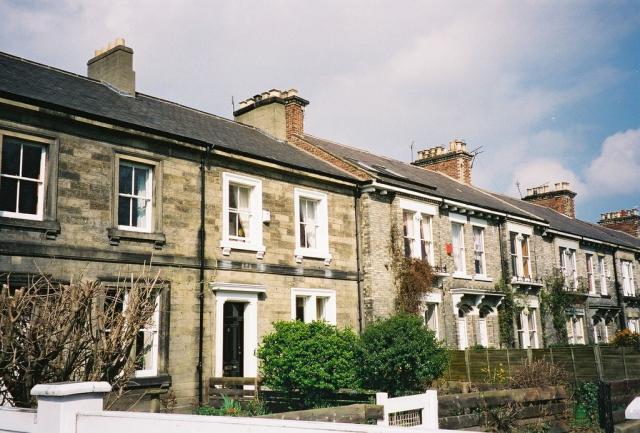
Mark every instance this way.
x=77 y=408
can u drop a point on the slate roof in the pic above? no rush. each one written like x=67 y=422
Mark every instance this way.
x=404 y=175
x=563 y=223
x=42 y=85
x=401 y=174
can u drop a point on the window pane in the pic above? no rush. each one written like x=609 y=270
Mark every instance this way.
x=233 y=224
x=321 y=308
x=31 y=156
x=10 y=157
x=512 y=242
x=243 y=197
x=407 y=219
x=233 y=196
x=310 y=230
x=141 y=175
x=478 y=263
x=300 y=301
x=243 y=225
x=525 y=246
x=425 y=228
x=28 y=200
x=125 y=179
x=477 y=239
x=8 y=194
x=140 y=209
x=303 y=235
x=124 y=211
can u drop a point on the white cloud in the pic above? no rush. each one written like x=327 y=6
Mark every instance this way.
x=543 y=171
x=617 y=168
x=379 y=75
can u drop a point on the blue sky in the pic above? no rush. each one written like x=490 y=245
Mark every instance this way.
x=550 y=90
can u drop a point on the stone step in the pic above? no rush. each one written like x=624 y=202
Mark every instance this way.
x=629 y=426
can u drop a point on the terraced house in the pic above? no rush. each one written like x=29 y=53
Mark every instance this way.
x=97 y=179
x=473 y=239
x=254 y=220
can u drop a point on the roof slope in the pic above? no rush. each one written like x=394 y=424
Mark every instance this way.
x=403 y=175
x=42 y=85
x=563 y=223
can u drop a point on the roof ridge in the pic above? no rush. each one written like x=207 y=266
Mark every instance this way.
x=498 y=196
x=207 y=113
x=145 y=95
x=52 y=68
x=388 y=158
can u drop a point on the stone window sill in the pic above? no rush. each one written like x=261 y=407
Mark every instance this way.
x=50 y=228
x=115 y=235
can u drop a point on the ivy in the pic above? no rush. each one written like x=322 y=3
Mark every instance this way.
x=554 y=302
x=413 y=277
x=506 y=314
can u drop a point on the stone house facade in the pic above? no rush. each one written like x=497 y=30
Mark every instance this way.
x=524 y=242
x=244 y=229
x=254 y=220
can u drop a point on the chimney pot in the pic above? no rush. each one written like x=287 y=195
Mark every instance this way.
x=114 y=65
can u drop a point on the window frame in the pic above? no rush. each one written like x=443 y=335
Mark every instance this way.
x=573 y=324
x=563 y=266
x=311 y=296
x=463 y=333
x=482 y=229
x=602 y=270
x=40 y=181
x=628 y=281
x=155 y=328
x=460 y=249
x=154 y=231
x=436 y=318
x=48 y=219
x=149 y=217
x=321 y=251
x=591 y=275
x=420 y=211
x=256 y=219
x=161 y=317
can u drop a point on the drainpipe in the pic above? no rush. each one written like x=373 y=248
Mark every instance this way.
x=201 y=258
x=356 y=200
x=623 y=319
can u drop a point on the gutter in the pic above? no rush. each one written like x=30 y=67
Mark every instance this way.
x=356 y=200
x=622 y=318
x=201 y=252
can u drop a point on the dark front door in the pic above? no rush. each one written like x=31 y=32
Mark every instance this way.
x=233 y=339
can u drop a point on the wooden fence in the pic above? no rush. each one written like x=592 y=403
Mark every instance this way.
x=533 y=406
x=245 y=389
x=582 y=363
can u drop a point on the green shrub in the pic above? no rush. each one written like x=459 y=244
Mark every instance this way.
x=626 y=338
x=400 y=355
x=312 y=358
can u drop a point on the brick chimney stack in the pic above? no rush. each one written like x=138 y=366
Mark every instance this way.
x=114 y=65
x=279 y=113
x=454 y=162
x=625 y=220
x=560 y=198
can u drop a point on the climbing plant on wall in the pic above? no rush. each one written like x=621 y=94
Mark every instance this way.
x=413 y=277
x=554 y=302
x=506 y=314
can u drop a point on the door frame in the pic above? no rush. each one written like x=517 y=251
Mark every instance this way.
x=248 y=294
